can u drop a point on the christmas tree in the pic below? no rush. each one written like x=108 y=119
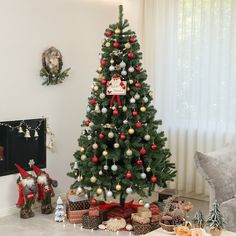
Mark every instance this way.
x=198 y=220
x=215 y=219
x=59 y=213
x=120 y=149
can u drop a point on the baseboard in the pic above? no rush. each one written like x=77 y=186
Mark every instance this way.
x=14 y=210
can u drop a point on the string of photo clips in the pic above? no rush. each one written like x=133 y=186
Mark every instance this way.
x=27 y=131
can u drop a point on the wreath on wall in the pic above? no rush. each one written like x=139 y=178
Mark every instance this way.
x=51 y=71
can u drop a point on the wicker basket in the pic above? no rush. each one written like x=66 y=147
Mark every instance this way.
x=141 y=228
x=155 y=225
x=91 y=222
x=79 y=205
x=169 y=228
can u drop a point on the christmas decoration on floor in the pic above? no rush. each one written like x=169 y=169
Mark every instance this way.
x=198 y=220
x=27 y=192
x=59 y=213
x=45 y=186
x=52 y=66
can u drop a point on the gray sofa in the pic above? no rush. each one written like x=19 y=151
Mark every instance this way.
x=219 y=170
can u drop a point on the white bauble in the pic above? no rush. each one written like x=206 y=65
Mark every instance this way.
x=127 y=45
x=145 y=99
x=122 y=64
x=148 y=169
x=137 y=96
x=105 y=167
x=125 y=122
x=111 y=68
x=129 y=152
x=102 y=95
x=110 y=135
x=131 y=69
x=102 y=226
x=93 y=179
x=132 y=100
x=129 y=190
x=105 y=153
x=109 y=193
x=104 y=110
x=124 y=72
x=147 y=137
x=79 y=190
x=147 y=205
x=112 y=61
x=124 y=108
x=99 y=69
x=116 y=145
x=83 y=157
x=114 y=167
x=95 y=146
x=143 y=175
x=89 y=137
x=129 y=227
x=100 y=172
x=88 y=109
x=131 y=81
x=95 y=88
x=108 y=44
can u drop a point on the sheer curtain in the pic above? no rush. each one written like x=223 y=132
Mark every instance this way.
x=190 y=55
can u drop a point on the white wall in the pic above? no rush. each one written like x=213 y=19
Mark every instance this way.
x=28 y=27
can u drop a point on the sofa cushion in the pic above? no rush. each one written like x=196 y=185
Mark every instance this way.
x=228 y=209
x=219 y=170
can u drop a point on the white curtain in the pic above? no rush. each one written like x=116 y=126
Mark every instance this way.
x=190 y=55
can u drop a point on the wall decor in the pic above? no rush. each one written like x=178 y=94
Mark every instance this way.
x=51 y=71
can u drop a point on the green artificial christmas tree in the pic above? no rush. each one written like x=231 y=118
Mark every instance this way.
x=215 y=220
x=120 y=149
x=198 y=220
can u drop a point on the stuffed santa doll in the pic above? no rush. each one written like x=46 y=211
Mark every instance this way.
x=27 y=193
x=45 y=189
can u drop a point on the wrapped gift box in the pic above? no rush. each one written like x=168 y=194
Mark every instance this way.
x=77 y=202
x=94 y=211
x=91 y=222
x=119 y=212
x=139 y=219
x=75 y=217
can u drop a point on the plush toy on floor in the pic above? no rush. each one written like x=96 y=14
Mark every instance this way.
x=27 y=192
x=45 y=189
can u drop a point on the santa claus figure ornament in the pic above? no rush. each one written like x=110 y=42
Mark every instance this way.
x=45 y=189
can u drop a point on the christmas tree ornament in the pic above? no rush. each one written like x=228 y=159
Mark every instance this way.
x=138 y=124
x=95 y=88
x=143 y=175
x=89 y=137
x=111 y=68
x=134 y=113
x=103 y=62
x=136 y=96
x=109 y=193
x=147 y=205
x=95 y=159
x=59 y=213
x=97 y=109
x=139 y=162
x=110 y=134
x=105 y=153
x=137 y=68
x=125 y=122
x=127 y=46
x=147 y=137
x=130 y=55
x=132 y=40
x=154 y=146
x=115 y=112
x=99 y=69
x=81 y=149
x=99 y=191
x=100 y=172
x=95 y=146
x=132 y=100
x=94 y=202
x=142 y=109
x=148 y=169
x=104 y=110
x=145 y=99
x=122 y=136
x=102 y=95
x=137 y=85
x=87 y=122
x=118 y=187
x=140 y=202
x=131 y=69
x=117 y=31
x=83 y=157
x=93 y=179
x=100 y=56
x=129 y=190
x=153 y=179
x=36 y=135
x=122 y=64
x=114 y=167
x=129 y=152
x=93 y=101
x=27 y=134
x=108 y=33
x=79 y=190
x=116 y=145
x=129 y=227
x=20 y=130
x=131 y=81
x=128 y=175
x=124 y=108
x=131 y=131
x=105 y=167
x=112 y=61
x=103 y=81
x=142 y=151
x=116 y=44
x=75 y=167
x=124 y=72
x=108 y=44
x=79 y=178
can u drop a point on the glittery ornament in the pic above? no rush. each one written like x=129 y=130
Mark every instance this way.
x=118 y=187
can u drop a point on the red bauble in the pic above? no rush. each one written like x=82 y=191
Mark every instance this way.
x=87 y=122
x=130 y=55
x=94 y=202
x=153 y=179
x=134 y=113
x=128 y=175
x=116 y=44
x=143 y=151
x=132 y=40
x=108 y=33
x=95 y=159
x=115 y=112
x=154 y=146
x=93 y=101
x=101 y=136
x=103 y=62
x=138 y=124
x=122 y=136
x=139 y=162
x=103 y=81
x=137 y=85
x=137 y=68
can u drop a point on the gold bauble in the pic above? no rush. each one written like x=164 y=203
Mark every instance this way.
x=99 y=191
x=127 y=45
x=108 y=44
x=93 y=179
x=118 y=187
x=95 y=88
x=117 y=31
x=99 y=69
x=131 y=130
x=142 y=109
x=81 y=149
x=105 y=153
x=148 y=169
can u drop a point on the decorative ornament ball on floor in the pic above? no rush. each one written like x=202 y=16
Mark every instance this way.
x=59 y=213
x=52 y=66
